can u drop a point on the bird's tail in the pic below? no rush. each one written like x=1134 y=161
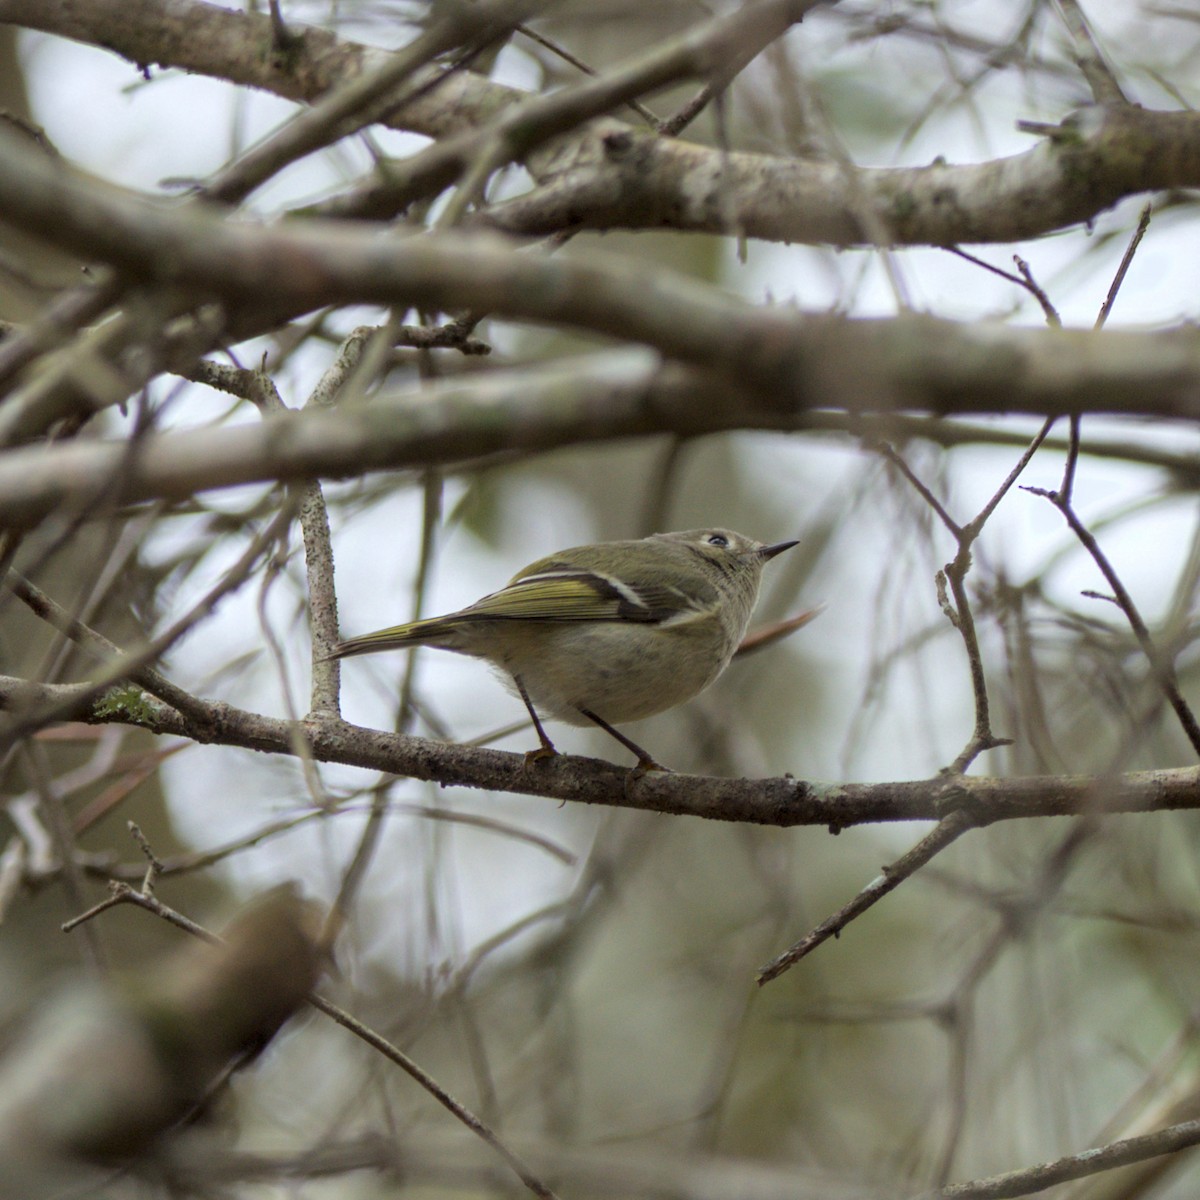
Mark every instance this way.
x=435 y=631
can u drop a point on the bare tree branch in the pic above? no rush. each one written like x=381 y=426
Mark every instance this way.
x=636 y=180
x=782 y=802
x=459 y=421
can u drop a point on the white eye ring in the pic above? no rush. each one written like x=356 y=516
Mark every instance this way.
x=717 y=539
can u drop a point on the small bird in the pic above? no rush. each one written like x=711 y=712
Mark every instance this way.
x=606 y=633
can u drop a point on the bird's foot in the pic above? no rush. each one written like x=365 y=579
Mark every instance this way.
x=647 y=764
x=644 y=765
x=536 y=756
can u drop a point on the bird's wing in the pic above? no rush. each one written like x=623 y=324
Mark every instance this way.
x=578 y=595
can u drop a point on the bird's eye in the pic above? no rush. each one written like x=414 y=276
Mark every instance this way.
x=717 y=539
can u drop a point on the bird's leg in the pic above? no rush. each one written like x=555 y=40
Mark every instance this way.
x=644 y=761
x=546 y=750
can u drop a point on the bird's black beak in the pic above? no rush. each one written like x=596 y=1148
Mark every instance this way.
x=768 y=552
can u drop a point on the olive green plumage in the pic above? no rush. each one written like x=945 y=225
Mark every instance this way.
x=606 y=633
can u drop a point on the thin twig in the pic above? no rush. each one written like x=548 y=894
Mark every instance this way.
x=279 y=30
x=177 y=864
x=1161 y=666
x=431 y=513
x=1170 y=1140
x=947 y=831
x=435 y=1089
x=153 y=866
x=274 y=567
x=1016 y=917
x=987 y=266
x=975 y=526
x=982 y=737
x=954 y=573
x=562 y=52
x=27 y=720
x=1066 y=489
x=364 y=852
x=63 y=317
x=1038 y=292
x=1119 y=278
x=1099 y=75
x=96 y=643
x=54 y=813
x=356 y=102
x=683 y=116
x=934 y=503
x=959 y=613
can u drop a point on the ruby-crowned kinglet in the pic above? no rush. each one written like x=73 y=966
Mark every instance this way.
x=607 y=633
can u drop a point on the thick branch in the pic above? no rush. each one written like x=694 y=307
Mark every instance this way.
x=787 y=356
x=206 y=39
x=583 y=400
x=780 y=802
x=639 y=181
x=619 y=178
